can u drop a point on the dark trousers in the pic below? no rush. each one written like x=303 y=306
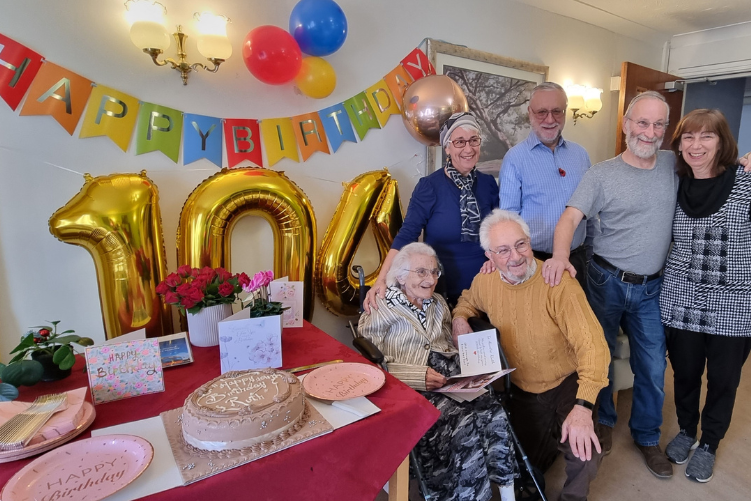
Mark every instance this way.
x=724 y=357
x=578 y=260
x=537 y=419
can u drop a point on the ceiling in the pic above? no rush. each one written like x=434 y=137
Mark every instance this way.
x=652 y=18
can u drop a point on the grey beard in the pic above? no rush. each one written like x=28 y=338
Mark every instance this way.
x=512 y=279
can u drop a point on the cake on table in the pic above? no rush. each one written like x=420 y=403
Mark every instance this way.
x=240 y=409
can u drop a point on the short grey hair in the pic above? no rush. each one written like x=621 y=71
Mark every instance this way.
x=650 y=94
x=547 y=86
x=496 y=217
x=402 y=261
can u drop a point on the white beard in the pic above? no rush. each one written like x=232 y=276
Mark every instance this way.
x=513 y=279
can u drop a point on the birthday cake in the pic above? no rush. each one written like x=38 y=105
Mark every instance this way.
x=242 y=408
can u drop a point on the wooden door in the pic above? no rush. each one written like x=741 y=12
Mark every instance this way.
x=636 y=79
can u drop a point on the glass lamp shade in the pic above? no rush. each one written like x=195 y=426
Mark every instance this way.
x=214 y=46
x=149 y=35
x=592 y=99
x=575 y=95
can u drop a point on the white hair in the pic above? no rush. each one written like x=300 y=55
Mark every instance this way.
x=548 y=86
x=650 y=94
x=401 y=264
x=496 y=217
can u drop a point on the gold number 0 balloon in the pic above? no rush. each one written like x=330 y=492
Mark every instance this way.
x=211 y=211
x=116 y=218
x=372 y=198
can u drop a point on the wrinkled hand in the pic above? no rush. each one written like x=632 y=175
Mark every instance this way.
x=459 y=326
x=579 y=429
x=553 y=268
x=487 y=267
x=434 y=380
x=745 y=161
x=378 y=288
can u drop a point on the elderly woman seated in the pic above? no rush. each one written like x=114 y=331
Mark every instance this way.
x=469 y=446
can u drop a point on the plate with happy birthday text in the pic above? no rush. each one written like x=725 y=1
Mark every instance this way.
x=343 y=381
x=90 y=469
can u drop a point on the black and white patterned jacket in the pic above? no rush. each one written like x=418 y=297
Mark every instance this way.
x=707 y=282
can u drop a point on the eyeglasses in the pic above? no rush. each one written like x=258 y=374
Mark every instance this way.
x=543 y=114
x=505 y=252
x=424 y=272
x=461 y=143
x=644 y=125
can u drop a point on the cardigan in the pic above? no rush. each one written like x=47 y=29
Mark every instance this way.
x=547 y=333
x=405 y=343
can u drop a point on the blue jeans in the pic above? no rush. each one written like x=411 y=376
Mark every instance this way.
x=636 y=308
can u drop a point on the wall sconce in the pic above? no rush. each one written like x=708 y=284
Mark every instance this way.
x=583 y=98
x=148 y=33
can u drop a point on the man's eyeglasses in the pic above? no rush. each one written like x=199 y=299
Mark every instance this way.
x=505 y=252
x=461 y=143
x=424 y=272
x=644 y=125
x=543 y=114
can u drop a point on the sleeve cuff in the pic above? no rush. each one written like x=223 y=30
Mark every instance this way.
x=411 y=375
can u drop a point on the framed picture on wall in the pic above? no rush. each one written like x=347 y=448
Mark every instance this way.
x=497 y=90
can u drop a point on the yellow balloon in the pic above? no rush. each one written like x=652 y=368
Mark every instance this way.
x=117 y=220
x=211 y=211
x=428 y=102
x=316 y=78
x=372 y=198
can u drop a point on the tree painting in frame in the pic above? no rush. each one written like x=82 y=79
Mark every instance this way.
x=497 y=89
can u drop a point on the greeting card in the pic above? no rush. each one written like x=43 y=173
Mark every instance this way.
x=290 y=294
x=250 y=343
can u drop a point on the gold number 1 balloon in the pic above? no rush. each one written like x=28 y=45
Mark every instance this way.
x=211 y=211
x=371 y=198
x=116 y=219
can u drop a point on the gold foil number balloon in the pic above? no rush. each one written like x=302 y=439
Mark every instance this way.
x=211 y=211
x=116 y=218
x=372 y=198
x=428 y=102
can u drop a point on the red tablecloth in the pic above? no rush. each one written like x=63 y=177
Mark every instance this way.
x=352 y=463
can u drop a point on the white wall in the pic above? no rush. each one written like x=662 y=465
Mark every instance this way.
x=40 y=165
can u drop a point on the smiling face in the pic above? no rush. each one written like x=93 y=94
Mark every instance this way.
x=644 y=142
x=463 y=159
x=418 y=289
x=518 y=266
x=549 y=128
x=699 y=151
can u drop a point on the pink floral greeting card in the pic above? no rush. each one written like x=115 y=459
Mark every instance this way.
x=124 y=370
x=290 y=294
x=250 y=343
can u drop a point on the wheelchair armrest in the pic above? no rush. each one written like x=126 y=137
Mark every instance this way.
x=368 y=350
x=483 y=324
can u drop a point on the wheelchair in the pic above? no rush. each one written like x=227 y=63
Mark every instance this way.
x=530 y=486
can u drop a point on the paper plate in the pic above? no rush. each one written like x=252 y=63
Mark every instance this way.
x=32 y=450
x=90 y=469
x=343 y=381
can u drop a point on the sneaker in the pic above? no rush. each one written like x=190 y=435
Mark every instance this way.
x=605 y=436
x=701 y=465
x=656 y=461
x=678 y=448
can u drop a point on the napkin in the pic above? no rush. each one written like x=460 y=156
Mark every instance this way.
x=62 y=422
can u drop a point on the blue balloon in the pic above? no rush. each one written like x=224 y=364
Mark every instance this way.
x=319 y=26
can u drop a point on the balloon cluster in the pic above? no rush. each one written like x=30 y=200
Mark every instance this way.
x=274 y=56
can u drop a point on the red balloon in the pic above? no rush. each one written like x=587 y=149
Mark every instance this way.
x=272 y=55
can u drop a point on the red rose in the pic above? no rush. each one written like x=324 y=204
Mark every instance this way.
x=173 y=280
x=223 y=274
x=201 y=282
x=184 y=271
x=162 y=288
x=187 y=303
x=171 y=298
x=225 y=289
x=196 y=294
x=184 y=289
x=243 y=280
x=207 y=272
x=194 y=272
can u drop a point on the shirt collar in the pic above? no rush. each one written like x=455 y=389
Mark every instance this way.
x=395 y=295
x=533 y=141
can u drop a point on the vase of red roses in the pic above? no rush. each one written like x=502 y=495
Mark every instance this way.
x=205 y=296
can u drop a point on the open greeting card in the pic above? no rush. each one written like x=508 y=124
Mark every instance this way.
x=250 y=343
x=480 y=362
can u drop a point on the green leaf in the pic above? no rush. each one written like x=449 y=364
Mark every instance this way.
x=61 y=354
x=8 y=392
x=67 y=339
x=18 y=357
x=67 y=332
x=54 y=322
x=25 y=372
x=49 y=328
x=85 y=341
x=26 y=342
x=67 y=362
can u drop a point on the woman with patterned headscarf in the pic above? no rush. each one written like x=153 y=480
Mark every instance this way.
x=447 y=207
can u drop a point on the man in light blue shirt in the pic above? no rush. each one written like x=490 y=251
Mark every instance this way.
x=540 y=174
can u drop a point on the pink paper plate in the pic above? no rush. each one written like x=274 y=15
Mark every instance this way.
x=90 y=469
x=343 y=381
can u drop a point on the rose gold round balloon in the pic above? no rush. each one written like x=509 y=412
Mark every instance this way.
x=428 y=103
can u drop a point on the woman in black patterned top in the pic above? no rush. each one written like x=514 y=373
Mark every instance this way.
x=469 y=446
x=706 y=290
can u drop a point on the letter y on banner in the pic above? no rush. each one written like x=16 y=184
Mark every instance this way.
x=202 y=139
x=418 y=65
x=18 y=67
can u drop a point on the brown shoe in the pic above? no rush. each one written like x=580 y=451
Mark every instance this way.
x=605 y=436
x=656 y=461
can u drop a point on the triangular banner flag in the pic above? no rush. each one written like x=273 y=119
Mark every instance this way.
x=418 y=65
x=18 y=67
x=311 y=136
x=398 y=80
x=159 y=128
x=360 y=114
x=110 y=113
x=202 y=138
x=242 y=140
x=382 y=102
x=337 y=125
x=278 y=140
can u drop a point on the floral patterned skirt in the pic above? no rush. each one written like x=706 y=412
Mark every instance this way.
x=468 y=447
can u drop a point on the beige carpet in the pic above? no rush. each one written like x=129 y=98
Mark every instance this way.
x=623 y=476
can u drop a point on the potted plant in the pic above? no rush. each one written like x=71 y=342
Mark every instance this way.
x=205 y=296
x=258 y=298
x=52 y=355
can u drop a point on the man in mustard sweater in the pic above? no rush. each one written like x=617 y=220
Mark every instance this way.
x=554 y=340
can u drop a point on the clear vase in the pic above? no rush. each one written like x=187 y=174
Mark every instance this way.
x=203 y=327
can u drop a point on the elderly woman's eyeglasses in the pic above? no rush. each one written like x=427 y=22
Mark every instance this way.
x=424 y=272
x=505 y=252
x=461 y=143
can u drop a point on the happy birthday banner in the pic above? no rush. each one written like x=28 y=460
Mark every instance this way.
x=63 y=94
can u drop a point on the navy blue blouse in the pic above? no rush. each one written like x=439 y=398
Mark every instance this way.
x=434 y=208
